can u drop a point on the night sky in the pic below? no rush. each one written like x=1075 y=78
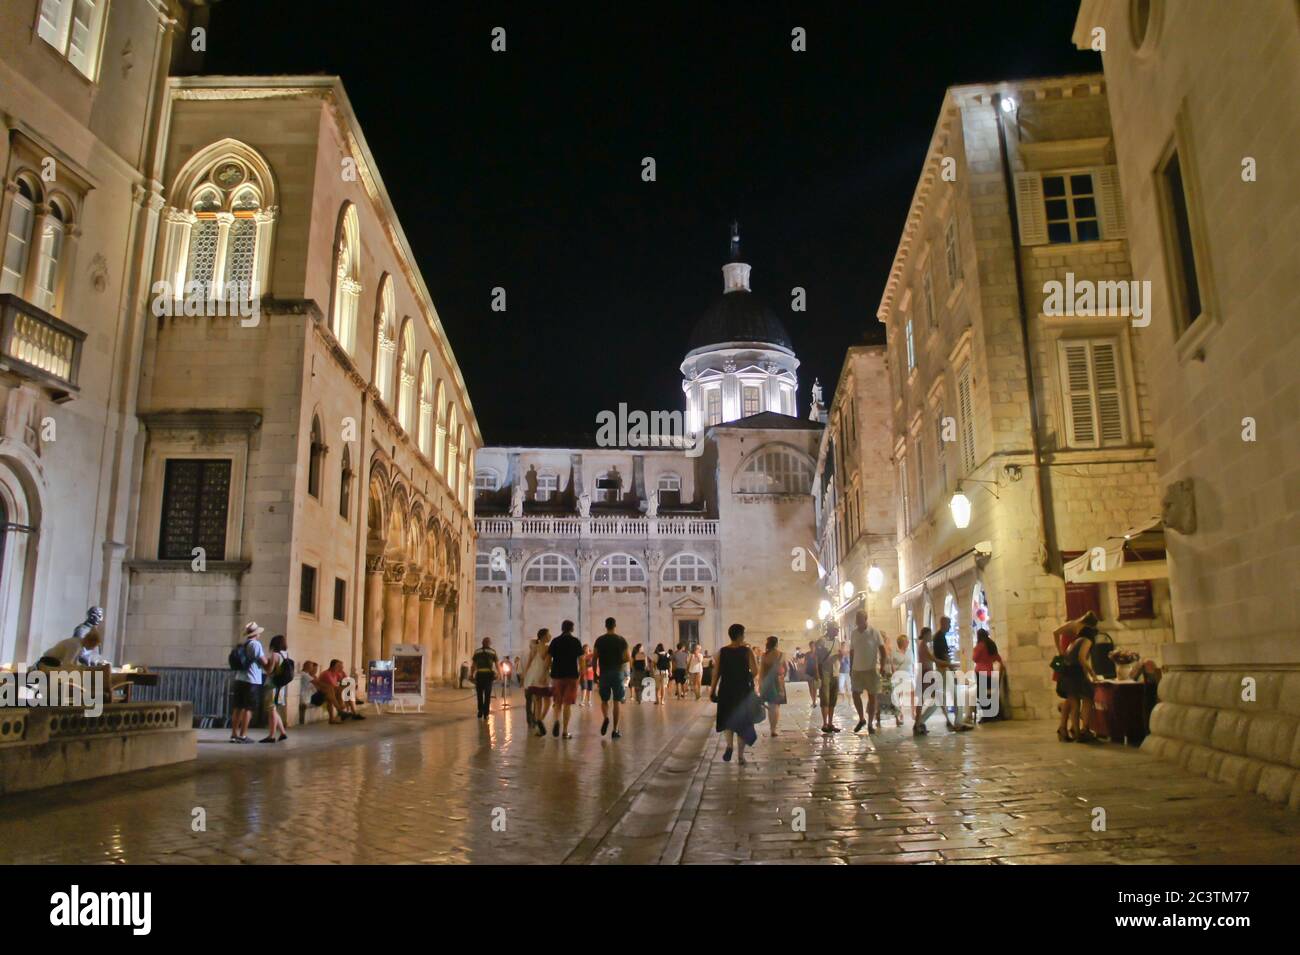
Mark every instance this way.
x=523 y=169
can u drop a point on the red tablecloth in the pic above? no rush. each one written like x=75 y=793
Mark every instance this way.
x=1119 y=711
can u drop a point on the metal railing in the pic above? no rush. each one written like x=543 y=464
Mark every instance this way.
x=38 y=344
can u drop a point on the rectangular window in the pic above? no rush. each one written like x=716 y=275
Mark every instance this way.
x=940 y=455
x=911 y=346
x=340 y=599
x=21 y=217
x=903 y=497
x=952 y=252
x=927 y=289
x=751 y=399
x=713 y=403
x=1179 y=246
x=196 y=496
x=74 y=28
x=1071 y=208
x=921 y=508
x=966 y=420
x=607 y=489
x=1090 y=382
x=547 y=484
x=307 y=590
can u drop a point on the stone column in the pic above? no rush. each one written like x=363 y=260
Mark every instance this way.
x=586 y=557
x=515 y=595
x=448 y=665
x=393 y=607
x=432 y=647
x=372 y=638
x=450 y=635
x=411 y=608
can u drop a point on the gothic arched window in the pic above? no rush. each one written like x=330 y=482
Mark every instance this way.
x=406 y=384
x=426 y=406
x=347 y=279
x=775 y=469
x=315 y=458
x=345 y=485
x=441 y=408
x=217 y=236
x=385 y=341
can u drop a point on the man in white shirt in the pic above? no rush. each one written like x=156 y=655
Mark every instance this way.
x=74 y=652
x=866 y=660
x=248 y=684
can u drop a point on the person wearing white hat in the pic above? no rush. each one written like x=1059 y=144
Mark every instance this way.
x=248 y=659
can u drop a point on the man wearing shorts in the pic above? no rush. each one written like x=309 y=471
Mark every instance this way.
x=680 y=658
x=827 y=654
x=866 y=661
x=566 y=657
x=612 y=658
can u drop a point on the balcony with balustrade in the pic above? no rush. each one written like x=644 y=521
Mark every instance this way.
x=36 y=345
x=595 y=527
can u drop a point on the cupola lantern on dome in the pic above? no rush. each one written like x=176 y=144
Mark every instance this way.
x=740 y=361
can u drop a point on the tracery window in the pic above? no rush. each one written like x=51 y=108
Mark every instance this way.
x=775 y=469
x=687 y=568
x=618 y=569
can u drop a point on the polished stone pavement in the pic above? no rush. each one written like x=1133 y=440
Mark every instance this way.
x=443 y=787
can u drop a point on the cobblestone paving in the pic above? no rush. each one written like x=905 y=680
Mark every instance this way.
x=425 y=788
x=1007 y=793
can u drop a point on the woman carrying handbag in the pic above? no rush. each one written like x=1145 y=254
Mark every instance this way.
x=739 y=707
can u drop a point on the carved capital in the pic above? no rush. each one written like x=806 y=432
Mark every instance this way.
x=585 y=556
x=428 y=586
x=654 y=558
x=394 y=572
x=375 y=563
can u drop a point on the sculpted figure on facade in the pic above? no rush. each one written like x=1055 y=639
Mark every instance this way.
x=517 y=501
x=584 y=504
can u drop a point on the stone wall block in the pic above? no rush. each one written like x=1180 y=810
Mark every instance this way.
x=1270 y=738
x=1229 y=732
x=1276 y=783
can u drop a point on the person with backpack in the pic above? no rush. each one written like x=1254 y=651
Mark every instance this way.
x=826 y=651
x=487 y=670
x=248 y=660
x=1074 y=680
x=280 y=670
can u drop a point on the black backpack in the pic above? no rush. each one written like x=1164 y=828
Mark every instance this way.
x=238 y=658
x=283 y=675
x=1102 y=664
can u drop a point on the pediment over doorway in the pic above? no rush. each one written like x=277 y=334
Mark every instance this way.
x=688 y=607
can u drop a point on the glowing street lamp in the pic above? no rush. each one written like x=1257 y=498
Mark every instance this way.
x=808 y=624
x=823 y=610
x=960 y=507
x=875 y=579
x=847 y=590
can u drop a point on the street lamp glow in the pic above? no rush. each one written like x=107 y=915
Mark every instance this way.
x=875 y=578
x=960 y=507
x=823 y=610
x=1008 y=104
x=847 y=590
x=808 y=624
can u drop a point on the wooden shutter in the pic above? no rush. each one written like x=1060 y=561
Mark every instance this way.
x=965 y=411
x=1110 y=410
x=49 y=21
x=1030 y=209
x=1091 y=383
x=1081 y=428
x=1110 y=202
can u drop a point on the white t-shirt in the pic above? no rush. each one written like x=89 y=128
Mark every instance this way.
x=866 y=650
x=901 y=660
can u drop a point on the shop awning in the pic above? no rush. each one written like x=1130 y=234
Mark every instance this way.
x=959 y=565
x=1122 y=557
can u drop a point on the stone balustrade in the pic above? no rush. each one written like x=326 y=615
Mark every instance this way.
x=595 y=527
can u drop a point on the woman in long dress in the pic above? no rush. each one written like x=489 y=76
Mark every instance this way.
x=733 y=683
x=771 y=682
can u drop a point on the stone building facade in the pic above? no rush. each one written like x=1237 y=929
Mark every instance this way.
x=676 y=543
x=78 y=216
x=855 y=495
x=306 y=464
x=1037 y=413
x=1202 y=101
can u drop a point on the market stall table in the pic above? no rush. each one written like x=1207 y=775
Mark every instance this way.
x=1119 y=711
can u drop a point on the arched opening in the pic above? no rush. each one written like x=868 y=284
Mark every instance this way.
x=315 y=458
